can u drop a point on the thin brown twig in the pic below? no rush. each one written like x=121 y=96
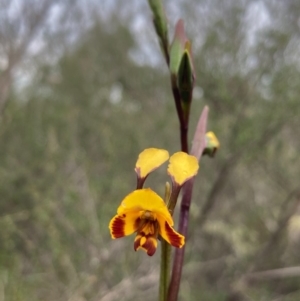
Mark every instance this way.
x=282 y=273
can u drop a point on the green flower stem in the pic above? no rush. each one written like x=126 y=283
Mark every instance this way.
x=165 y=256
x=165 y=48
x=161 y=26
x=164 y=270
x=179 y=253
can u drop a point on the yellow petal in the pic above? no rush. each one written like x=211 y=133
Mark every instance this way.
x=149 y=160
x=142 y=200
x=124 y=224
x=182 y=167
x=169 y=234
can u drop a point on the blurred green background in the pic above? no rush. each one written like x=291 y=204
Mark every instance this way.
x=84 y=89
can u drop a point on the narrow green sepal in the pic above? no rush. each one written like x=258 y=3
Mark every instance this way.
x=185 y=82
x=182 y=68
x=186 y=76
x=177 y=48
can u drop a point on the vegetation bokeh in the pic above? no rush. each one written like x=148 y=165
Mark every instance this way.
x=84 y=89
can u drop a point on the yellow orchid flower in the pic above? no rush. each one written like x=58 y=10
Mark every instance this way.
x=144 y=212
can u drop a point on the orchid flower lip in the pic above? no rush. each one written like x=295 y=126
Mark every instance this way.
x=144 y=212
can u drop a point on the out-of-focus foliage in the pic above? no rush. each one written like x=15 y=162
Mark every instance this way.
x=70 y=137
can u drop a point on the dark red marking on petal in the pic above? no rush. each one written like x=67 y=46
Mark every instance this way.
x=137 y=223
x=150 y=245
x=117 y=227
x=175 y=239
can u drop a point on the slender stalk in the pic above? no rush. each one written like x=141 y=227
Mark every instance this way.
x=179 y=253
x=177 y=266
x=164 y=270
x=197 y=149
x=165 y=256
x=140 y=182
x=166 y=53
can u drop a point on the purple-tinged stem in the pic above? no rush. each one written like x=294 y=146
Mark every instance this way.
x=140 y=182
x=197 y=150
x=179 y=253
